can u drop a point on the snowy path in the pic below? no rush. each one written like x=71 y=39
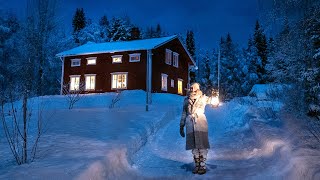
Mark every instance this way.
x=253 y=150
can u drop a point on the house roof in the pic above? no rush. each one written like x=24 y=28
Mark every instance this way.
x=120 y=46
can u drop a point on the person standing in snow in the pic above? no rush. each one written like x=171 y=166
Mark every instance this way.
x=194 y=119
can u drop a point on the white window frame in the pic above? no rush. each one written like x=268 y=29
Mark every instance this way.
x=85 y=80
x=117 y=73
x=168 y=59
x=164 y=87
x=78 y=85
x=172 y=83
x=175 y=61
x=75 y=60
x=133 y=55
x=116 y=56
x=90 y=59
x=178 y=86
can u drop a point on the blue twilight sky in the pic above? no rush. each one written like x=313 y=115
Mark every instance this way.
x=209 y=19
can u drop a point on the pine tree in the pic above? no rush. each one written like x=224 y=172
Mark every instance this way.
x=104 y=25
x=260 y=42
x=158 y=32
x=250 y=66
x=104 y=21
x=190 y=43
x=135 y=33
x=79 y=20
x=230 y=83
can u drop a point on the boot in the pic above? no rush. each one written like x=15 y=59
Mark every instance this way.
x=197 y=165
x=202 y=169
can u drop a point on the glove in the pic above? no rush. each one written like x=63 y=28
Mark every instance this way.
x=182 y=131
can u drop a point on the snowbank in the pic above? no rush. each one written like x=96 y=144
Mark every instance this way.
x=91 y=141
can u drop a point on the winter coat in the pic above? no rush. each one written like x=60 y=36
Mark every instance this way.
x=194 y=119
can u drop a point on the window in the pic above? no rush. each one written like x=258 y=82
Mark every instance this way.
x=168 y=56
x=180 y=86
x=90 y=81
x=134 y=57
x=119 y=80
x=74 y=82
x=172 y=83
x=91 y=61
x=164 y=83
x=75 y=62
x=175 y=59
x=117 y=59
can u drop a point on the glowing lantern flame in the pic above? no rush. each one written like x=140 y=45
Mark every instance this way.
x=215 y=101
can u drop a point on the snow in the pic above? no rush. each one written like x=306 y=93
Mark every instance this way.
x=110 y=47
x=92 y=141
x=266 y=91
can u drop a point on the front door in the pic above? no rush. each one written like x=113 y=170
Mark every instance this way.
x=180 y=86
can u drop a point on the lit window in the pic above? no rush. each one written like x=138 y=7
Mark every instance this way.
x=90 y=81
x=164 y=82
x=175 y=59
x=119 y=80
x=117 y=59
x=75 y=62
x=74 y=82
x=91 y=61
x=172 y=83
x=180 y=86
x=168 y=56
x=134 y=57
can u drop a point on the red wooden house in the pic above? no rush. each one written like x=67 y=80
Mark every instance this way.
x=111 y=66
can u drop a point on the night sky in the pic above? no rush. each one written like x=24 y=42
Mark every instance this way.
x=210 y=19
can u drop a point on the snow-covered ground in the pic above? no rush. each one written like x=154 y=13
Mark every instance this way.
x=250 y=139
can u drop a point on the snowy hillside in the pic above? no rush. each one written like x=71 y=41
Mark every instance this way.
x=250 y=139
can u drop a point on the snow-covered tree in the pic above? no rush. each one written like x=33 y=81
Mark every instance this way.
x=190 y=44
x=91 y=33
x=230 y=69
x=295 y=59
x=120 y=29
x=260 y=42
x=104 y=25
x=251 y=62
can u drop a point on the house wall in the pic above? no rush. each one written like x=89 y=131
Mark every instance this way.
x=159 y=67
x=136 y=70
x=103 y=68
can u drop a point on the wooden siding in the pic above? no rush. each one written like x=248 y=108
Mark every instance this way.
x=136 y=70
x=104 y=68
x=159 y=66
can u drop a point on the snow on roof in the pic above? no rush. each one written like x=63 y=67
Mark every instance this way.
x=119 y=46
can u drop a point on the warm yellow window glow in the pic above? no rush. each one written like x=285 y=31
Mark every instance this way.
x=74 y=83
x=117 y=59
x=179 y=86
x=90 y=82
x=119 y=81
x=91 y=61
